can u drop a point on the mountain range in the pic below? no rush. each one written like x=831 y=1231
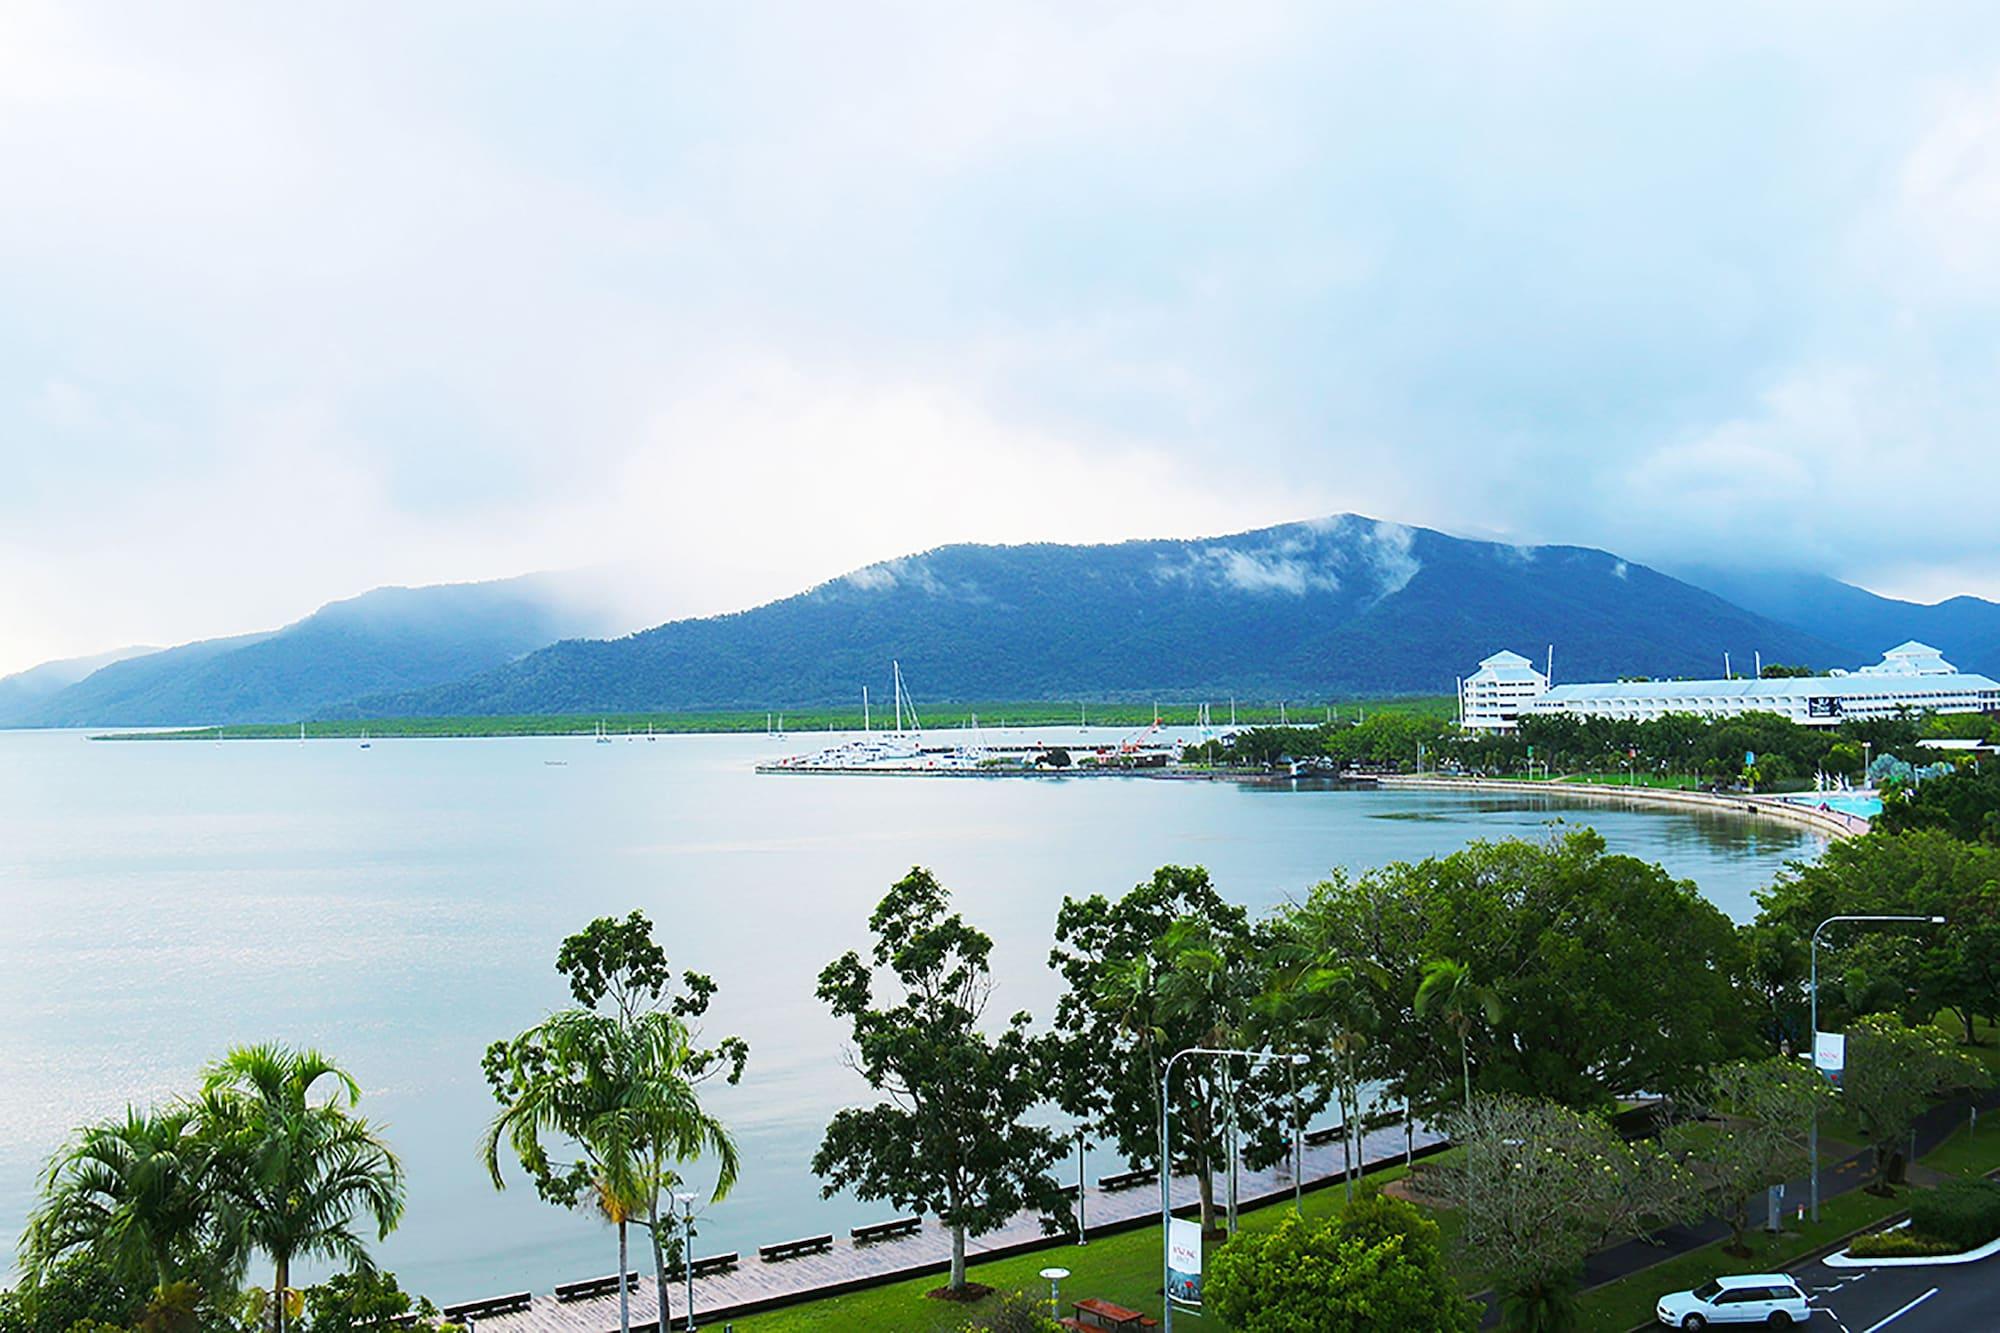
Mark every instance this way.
x=386 y=640
x=1323 y=609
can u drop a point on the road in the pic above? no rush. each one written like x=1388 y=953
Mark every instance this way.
x=1951 y=1298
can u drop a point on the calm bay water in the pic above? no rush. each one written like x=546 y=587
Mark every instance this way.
x=400 y=907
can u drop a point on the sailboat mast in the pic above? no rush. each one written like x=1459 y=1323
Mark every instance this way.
x=896 y=681
x=864 y=710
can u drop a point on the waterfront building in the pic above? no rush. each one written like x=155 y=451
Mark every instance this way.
x=1913 y=678
x=1493 y=697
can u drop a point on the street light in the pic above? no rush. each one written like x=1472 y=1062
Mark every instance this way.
x=1167 y=1159
x=1812 y=1036
x=686 y=1202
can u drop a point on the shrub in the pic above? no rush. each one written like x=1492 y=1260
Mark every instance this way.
x=1965 y=1213
x=1900 y=1245
x=1015 y=1312
x=1380 y=1266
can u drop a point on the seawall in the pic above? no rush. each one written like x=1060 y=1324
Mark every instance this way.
x=1829 y=823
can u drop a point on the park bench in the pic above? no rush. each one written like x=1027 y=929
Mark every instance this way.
x=706 y=1266
x=491 y=1305
x=791 y=1249
x=1125 y=1180
x=900 y=1226
x=1067 y=1191
x=1319 y=1138
x=594 y=1286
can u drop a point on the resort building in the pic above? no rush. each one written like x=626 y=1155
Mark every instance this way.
x=1912 y=678
x=1491 y=698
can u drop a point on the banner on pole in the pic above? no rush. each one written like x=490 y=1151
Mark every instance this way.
x=1184 y=1261
x=1830 y=1053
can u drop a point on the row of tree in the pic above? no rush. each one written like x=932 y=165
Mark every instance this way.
x=1680 y=745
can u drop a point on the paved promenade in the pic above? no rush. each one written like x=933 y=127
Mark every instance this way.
x=1829 y=823
x=756 y=1284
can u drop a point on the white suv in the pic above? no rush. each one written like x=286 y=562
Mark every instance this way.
x=1772 y=1299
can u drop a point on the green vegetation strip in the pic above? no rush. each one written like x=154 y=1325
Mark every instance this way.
x=798 y=722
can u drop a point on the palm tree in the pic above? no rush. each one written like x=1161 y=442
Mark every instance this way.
x=621 y=1092
x=669 y=1123
x=1448 y=990
x=298 y=1167
x=131 y=1191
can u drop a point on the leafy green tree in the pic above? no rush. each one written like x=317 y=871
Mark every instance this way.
x=134 y=1193
x=82 y=1288
x=949 y=1139
x=363 y=1301
x=1380 y=1265
x=1450 y=992
x=1759 y=1139
x=1965 y=804
x=1541 y=1187
x=1321 y=1001
x=1915 y=970
x=1167 y=967
x=617 y=967
x=297 y=1165
x=1776 y=975
x=1893 y=1073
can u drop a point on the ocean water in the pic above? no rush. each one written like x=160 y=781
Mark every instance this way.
x=400 y=907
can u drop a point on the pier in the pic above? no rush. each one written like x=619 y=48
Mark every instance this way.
x=845 y=1265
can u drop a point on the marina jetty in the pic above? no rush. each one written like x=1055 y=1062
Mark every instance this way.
x=1149 y=754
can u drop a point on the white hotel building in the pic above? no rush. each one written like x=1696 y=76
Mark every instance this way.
x=1913 y=678
x=1491 y=698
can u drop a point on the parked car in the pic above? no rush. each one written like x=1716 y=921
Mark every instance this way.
x=1771 y=1299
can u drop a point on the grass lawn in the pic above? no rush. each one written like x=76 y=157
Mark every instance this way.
x=1124 y=1268
x=1672 y=781
x=1970 y=1152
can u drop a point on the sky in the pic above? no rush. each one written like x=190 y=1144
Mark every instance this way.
x=297 y=300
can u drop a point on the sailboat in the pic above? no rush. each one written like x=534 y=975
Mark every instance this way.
x=602 y=738
x=364 y=738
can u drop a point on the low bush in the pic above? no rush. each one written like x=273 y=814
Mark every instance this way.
x=1963 y=1213
x=1901 y=1244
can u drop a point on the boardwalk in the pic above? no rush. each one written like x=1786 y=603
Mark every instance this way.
x=758 y=1284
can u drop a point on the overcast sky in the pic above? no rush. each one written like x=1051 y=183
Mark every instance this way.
x=299 y=299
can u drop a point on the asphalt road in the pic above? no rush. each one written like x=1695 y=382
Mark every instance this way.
x=1951 y=1298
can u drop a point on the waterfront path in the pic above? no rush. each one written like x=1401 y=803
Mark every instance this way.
x=1830 y=823
x=755 y=1285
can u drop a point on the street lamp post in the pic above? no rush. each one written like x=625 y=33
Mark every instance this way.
x=1167 y=1159
x=1082 y=1147
x=1812 y=1035
x=686 y=1202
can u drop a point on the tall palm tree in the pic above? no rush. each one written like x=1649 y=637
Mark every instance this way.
x=1449 y=991
x=620 y=1092
x=298 y=1164
x=132 y=1191
x=669 y=1123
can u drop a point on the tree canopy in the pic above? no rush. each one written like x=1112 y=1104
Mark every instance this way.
x=950 y=1138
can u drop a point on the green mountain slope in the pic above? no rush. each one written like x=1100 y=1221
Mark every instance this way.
x=1343 y=606
x=388 y=639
